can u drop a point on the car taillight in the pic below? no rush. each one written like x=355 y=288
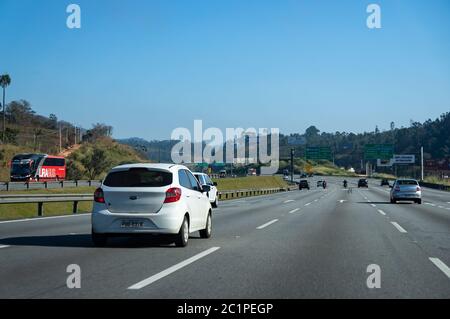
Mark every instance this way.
x=418 y=189
x=98 y=196
x=173 y=195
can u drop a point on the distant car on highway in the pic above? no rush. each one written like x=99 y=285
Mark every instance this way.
x=319 y=183
x=384 y=182
x=363 y=183
x=204 y=179
x=223 y=174
x=303 y=175
x=406 y=190
x=151 y=199
x=303 y=184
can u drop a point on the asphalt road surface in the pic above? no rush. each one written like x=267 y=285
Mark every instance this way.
x=299 y=244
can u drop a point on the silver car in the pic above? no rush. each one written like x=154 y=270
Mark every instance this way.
x=407 y=190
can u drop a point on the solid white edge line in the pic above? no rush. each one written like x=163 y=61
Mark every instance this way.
x=4 y=246
x=381 y=212
x=307 y=204
x=172 y=269
x=41 y=218
x=373 y=205
x=267 y=224
x=440 y=264
x=288 y=201
x=399 y=228
x=294 y=210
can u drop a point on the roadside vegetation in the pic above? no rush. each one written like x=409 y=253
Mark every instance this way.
x=250 y=182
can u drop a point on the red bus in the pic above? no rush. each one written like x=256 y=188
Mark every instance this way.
x=37 y=167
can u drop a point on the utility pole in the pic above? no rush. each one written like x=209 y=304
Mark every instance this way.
x=75 y=135
x=421 y=163
x=60 y=139
x=292 y=165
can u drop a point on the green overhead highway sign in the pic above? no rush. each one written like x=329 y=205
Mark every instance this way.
x=318 y=153
x=378 y=151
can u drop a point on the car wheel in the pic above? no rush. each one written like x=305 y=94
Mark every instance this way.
x=215 y=203
x=182 y=237
x=99 y=240
x=419 y=201
x=206 y=233
x=393 y=201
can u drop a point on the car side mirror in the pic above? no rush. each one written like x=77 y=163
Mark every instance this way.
x=206 y=188
x=215 y=183
x=390 y=186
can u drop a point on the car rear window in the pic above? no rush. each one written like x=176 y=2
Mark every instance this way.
x=138 y=177
x=407 y=183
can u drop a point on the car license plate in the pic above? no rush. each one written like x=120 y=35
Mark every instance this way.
x=132 y=224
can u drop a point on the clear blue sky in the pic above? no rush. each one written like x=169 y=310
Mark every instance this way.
x=146 y=67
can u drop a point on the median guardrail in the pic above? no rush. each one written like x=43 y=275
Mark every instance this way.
x=18 y=186
x=40 y=199
x=435 y=186
x=232 y=194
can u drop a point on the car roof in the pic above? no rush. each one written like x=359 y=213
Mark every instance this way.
x=162 y=166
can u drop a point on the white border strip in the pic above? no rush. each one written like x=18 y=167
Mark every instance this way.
x=267 y=224
x=440 y=264
x=399 y=228
x=172 y=269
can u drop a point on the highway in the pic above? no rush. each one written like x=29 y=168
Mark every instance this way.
x=299 y=244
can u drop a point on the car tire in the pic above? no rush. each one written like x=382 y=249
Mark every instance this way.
x=206 y=233
x=181 y=239
x=99 y=240
x=419 y=201
x=215 y=203
x=393 y=201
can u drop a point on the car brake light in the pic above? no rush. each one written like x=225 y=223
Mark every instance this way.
x=98 y=196
x=173 y=195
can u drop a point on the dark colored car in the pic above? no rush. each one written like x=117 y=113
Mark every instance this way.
x=363 y=183
x=303 y=184
x=384 y=182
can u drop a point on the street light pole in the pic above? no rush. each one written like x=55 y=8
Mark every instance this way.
x=292 y=165
x=421 y=162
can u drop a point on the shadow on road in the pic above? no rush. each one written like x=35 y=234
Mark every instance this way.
x=84 y=241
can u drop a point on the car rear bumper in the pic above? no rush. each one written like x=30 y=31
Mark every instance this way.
x=167 y=221
x=407 y=195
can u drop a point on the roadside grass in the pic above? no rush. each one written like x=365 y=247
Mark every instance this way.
x=18 y=211
x=250 y=182
x=384 y=176
x=331 y=171
x=437 y=180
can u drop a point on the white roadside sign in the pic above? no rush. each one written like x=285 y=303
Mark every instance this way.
x=404 y=159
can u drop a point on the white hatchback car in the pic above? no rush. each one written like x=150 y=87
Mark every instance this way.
x=151 y=199
x=204 y=179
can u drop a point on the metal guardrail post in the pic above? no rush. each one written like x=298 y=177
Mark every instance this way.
x=75 y=207
x=28 y=185
x=7 y=186
x=40 y=208
x=89 y=182
x=45 y=185
x=62 y=184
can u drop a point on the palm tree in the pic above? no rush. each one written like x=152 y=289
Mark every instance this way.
x=5 y=80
